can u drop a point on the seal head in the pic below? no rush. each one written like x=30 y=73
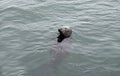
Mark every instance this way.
x=64 y=32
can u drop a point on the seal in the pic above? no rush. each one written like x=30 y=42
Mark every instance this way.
x=64 y=32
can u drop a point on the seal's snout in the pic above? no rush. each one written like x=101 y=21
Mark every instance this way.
x=64 y=32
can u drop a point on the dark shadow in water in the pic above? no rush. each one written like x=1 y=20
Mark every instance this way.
x=58 y=53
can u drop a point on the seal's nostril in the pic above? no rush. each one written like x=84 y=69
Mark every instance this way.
x=59 y=30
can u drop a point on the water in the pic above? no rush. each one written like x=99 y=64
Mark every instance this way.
x=28 y=29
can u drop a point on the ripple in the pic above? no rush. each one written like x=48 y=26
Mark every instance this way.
x=26 y=29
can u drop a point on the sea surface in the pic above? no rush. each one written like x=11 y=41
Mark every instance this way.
x=28 y=31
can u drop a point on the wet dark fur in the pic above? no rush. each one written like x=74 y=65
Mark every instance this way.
x=61 y=36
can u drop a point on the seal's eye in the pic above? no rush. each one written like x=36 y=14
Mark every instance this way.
x=66 y=28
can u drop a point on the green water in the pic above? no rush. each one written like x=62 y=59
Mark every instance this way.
x=28 y=29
